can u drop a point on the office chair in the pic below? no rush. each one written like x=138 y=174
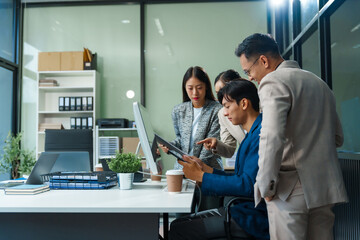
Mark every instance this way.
x=227 y=221
x=66 y=140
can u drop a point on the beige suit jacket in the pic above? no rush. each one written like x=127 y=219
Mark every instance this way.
x=229 y=135
x=299 y=136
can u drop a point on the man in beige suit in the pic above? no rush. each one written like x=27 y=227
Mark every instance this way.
x=299 y=174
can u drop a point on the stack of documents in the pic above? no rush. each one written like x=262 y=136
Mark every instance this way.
x=48 y=83
x=87 y=55
x=27 y=189
x=43 y=126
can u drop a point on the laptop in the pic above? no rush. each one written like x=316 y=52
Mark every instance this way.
x=59 y=162
x=55 y=162
x=71 y=161
x=42 y=166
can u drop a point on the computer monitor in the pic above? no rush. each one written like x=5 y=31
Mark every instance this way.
x=146 y=135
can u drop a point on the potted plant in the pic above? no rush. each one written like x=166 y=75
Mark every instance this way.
x=14 y=159
x=125 y=165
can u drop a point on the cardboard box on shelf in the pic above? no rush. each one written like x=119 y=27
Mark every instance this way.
x=129 y=144
x=71 y=61
x=49 y=61
x=67 y=61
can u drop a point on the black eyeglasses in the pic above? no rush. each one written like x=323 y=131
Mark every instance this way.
x=247 y=72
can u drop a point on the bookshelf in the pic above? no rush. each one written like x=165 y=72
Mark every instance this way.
x=70 y=84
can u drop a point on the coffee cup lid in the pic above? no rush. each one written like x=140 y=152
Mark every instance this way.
x=174 y=172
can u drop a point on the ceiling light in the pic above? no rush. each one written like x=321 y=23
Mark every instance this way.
x=168 y=50
x=125 y=21
x=276 y=3
x=130 y=94
x=355 y=28
x=159 y=27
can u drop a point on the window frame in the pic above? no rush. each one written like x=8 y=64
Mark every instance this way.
x=14 y=67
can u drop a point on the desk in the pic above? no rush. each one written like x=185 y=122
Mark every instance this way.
x=90 y=214
x=229 y=169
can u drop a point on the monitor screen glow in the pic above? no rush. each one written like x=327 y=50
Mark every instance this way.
x=146 y=136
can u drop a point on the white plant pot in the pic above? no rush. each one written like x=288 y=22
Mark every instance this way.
x=125 y=180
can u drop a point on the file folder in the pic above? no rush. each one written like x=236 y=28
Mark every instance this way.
x=67 y=104
x=78 y=103
x=84 y=103
x=72 y=104
x=84 y=122
x=72 y=122
x=61 y=104
x=78 y=123
x=89 y=103
x=90 y=123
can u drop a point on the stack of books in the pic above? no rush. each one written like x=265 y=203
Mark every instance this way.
x=48 y=83
x=26 y=189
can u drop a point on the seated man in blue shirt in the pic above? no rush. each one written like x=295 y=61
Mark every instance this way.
x=241 y=106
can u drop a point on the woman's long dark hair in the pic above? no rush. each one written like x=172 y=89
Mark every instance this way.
x=200 y=74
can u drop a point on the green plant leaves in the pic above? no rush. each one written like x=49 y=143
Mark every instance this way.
x=14 y=158
x=125 y=163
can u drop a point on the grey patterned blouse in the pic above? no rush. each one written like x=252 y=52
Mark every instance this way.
x=208 y=126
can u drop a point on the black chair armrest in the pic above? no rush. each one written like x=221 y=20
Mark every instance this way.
x=227 y=220
x=233 y=201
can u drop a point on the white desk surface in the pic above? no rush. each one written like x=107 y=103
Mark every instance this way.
x=145 y=197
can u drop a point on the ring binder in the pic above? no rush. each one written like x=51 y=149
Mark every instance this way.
x=80 y=180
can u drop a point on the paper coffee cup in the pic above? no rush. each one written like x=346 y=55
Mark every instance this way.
x=155 y=178
x=174 y=180
x=98 y=167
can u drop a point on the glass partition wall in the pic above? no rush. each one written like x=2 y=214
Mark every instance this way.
x=205 y=36
x=345 y=58
x=326 y=42
x=9 y=71
x=174 y=37
x=110 y=31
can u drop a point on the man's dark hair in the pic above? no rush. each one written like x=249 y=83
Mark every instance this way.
x=199 y=73
x=256 y=45
x=227 y=76
x=237 y=90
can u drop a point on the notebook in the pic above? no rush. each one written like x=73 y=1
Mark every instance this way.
x=27 y=189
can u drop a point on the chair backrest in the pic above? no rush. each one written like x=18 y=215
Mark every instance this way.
x=69 y=140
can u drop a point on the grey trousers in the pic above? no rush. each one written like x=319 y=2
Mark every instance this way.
x=205 y=225
x=292 y=220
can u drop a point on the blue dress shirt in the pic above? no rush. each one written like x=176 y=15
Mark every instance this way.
x=241 y=183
